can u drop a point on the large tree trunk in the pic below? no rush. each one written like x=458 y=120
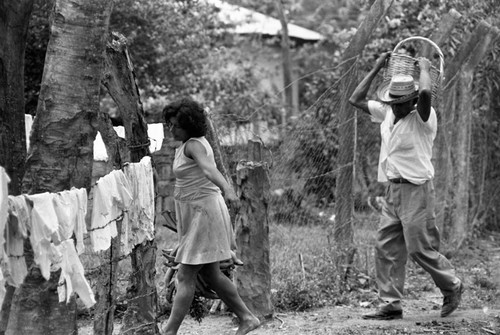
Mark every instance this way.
x=13 y=29
x=344 y=193
x=140 y=317
x=61 y=152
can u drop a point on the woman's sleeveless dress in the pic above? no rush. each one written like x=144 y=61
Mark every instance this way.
x=203 y=223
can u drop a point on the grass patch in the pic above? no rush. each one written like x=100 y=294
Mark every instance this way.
x=303 y=268
x=314 y=284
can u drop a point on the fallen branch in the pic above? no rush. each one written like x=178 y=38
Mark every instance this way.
x=282 y=322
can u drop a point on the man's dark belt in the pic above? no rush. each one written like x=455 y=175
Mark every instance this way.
x=400 y=181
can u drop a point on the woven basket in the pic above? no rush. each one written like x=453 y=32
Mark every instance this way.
x=403 y=64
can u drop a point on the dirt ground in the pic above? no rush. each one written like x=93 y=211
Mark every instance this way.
x=479 y=314
x=421 y=317
x=477 y=265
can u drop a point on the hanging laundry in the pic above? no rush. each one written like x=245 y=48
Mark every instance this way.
x=142 y=209
x=4 y=192
x=112 y=198
x=70 y=207
x=19 y=223
x=2 y=288
x=81 y=226
x=45 y=224
x=72 y=277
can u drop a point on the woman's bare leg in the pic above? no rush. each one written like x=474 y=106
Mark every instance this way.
x=186 y=283
x=226 y=290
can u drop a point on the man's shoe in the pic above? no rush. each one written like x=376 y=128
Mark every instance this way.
x=451 y=302
x=384 y=315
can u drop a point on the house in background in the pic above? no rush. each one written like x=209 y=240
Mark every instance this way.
x=246 y=25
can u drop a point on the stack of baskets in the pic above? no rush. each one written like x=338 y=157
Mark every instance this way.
x=400 y=63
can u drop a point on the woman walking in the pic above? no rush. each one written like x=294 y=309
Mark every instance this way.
x=203 y=223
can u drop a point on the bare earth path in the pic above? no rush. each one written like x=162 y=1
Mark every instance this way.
x=479 y=313
x=345 y=320
x=421 y=316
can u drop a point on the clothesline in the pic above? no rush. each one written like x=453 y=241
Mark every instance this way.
x=56 y=222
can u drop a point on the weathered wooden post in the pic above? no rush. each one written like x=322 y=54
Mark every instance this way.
x=120 y=81
x=253 y=279
x=343 y=232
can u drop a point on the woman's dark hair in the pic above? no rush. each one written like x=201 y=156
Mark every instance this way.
x=189 y=114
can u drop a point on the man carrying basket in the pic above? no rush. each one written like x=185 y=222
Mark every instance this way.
x=407 y=225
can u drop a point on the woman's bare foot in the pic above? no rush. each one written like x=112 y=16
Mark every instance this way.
x=246 y=326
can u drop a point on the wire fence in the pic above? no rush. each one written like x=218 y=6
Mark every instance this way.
x=302 y=156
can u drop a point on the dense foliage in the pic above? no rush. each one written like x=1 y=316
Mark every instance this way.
x=36 y=45
x=316 y=65
x=179 y=48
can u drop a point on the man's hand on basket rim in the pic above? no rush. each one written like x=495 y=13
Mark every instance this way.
x=424 y=63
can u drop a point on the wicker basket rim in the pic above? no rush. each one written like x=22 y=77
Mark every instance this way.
x=424 y=39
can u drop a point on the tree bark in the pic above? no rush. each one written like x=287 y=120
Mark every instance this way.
x=107 y=276
x=344 y=194
x=13 y=30
x=252 y=231
x=119 y=79
x=61 y=153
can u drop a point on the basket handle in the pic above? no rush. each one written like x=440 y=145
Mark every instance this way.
x=434 y=45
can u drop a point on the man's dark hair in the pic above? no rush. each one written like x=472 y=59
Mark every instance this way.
x=189 y=114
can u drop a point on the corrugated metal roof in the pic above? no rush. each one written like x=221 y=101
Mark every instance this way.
x=247 y=21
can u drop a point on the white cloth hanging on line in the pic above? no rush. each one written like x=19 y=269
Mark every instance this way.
x=71 y=208
x=19 y=223
x=72 y=277
x=44 y=224
x=112 y=199
x=140 y=226
x=4 y=192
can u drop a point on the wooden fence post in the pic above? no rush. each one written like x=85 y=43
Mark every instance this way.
x=120 y=81
x=344 y=193
x=252 y=235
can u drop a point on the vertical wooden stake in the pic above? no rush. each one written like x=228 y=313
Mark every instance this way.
x=252 y=235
